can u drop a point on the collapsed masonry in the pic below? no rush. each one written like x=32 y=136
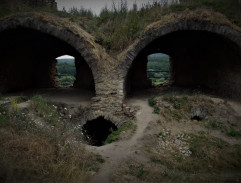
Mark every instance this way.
x=204 y=46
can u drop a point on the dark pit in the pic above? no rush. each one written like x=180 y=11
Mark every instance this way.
x=198 y=118
x=97 y=130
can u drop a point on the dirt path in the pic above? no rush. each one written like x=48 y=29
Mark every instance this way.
x=116 y=153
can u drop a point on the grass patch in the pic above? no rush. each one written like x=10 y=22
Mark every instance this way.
x=234 y=133
x=177 y=115
x=116 y=135
x=16 y=119
x=99 y=159
x=215 y=124
x=201 y=145
x=26 y=157
x=152 y=101
x=174 y=101
x=14 y=104
x=111 y=138
x=161 y=134
x=29 y=153
x=21 y=99
x=136 y=170
x=4 y=116
x=140 y=171
x=215 y=151
x=156 y=110
x=177 y=103
x=195 y=107
x=209 y=157
x=45 y=109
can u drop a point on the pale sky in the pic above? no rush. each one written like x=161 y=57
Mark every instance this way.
x=65 y=57
x=97 y=5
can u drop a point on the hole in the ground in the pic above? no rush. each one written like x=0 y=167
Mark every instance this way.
x=97 y=130
x=198 y=118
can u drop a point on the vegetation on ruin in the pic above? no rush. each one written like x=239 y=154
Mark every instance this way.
x=39 y=144
x=208 y=155
x=40 y=141
x=186 y=150
x=118 y=134
x=117 y=27
x=196 y=107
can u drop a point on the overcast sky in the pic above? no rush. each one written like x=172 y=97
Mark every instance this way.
x=65 y=57
x=95 y=5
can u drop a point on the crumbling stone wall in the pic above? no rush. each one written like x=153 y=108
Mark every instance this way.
x=84 y=77
x=205 y=49
x=46 y=74
x=202 y=52
x=137 y=76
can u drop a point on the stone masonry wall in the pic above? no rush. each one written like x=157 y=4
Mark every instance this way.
x=111 y=75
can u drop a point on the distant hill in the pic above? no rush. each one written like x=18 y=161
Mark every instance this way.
x=155 y=55
x=65 y=60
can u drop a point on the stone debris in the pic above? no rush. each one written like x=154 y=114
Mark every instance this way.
x=130 y=110
x=176 y=144
x=4 y=102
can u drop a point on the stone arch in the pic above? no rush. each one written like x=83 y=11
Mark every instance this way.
x=91 y=115
x=222 y=31
x=78 y=41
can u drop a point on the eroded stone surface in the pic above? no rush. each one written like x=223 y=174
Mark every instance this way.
x=204 y=46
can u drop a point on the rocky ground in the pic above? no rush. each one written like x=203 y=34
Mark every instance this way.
x=176 y=136
x=182 y=137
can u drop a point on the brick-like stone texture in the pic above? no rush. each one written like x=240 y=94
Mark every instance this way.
x=205 y=51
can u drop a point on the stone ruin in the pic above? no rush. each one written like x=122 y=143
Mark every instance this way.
x=205 y=50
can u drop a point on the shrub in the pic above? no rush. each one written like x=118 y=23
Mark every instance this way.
x=234 y=133
x=215 y=124
x=4 y=117
x=21 y=99
x=14 y=104
x=156 y=110
x=115 y=135
x=152 y=102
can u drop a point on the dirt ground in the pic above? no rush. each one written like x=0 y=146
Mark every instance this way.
x=69 y=96
x=160 y=149
x=143 y=145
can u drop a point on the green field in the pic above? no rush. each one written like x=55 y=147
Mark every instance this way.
x=68 y=69
x=158 y=62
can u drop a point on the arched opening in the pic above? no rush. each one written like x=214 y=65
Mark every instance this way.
x=28 y=61
x=158 y=68
x=97 y=130
x=66 y=70
x=197 y=59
